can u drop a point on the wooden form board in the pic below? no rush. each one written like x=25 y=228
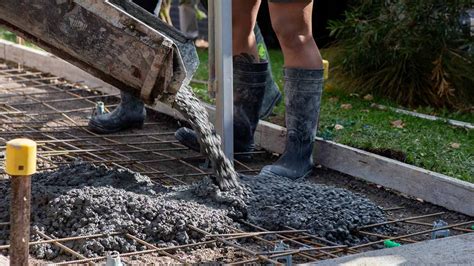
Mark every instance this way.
x=432 y=187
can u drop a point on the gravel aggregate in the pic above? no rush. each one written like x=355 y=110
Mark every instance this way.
x=82 y=199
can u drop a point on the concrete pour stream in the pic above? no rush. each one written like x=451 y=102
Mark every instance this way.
x=82 y=199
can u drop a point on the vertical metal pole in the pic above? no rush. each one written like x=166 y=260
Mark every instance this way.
x=222 y=16
x=20 y=219
x=211 y=88
x=20 y=164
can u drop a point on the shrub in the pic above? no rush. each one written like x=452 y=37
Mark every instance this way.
x=412 y=51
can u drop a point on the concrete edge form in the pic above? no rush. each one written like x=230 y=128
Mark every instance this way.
x=455 y=250
x=414 y=181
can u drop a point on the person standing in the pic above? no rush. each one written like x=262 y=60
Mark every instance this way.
x=303 y=75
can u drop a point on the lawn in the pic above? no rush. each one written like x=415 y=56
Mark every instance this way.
x=6 y=35
x=351 y=120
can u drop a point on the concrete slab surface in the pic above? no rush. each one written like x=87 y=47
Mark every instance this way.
x=456 y=250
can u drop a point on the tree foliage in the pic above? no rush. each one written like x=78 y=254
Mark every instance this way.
x=412 y=51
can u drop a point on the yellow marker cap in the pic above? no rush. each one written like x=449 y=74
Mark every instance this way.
x=20 y=157
x=326 y=69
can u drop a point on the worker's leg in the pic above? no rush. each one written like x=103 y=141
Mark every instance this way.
x=272 y=95
x=188 y=23
x=303 y=73
x=131 y=111
x=291 y=21
x=244 y=18
x=248 y=41
x=250 y=79
x=249 y=87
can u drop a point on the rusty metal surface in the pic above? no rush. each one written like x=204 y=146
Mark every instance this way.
x=104 y=40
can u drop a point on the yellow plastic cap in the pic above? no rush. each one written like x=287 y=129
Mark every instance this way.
x=326 y=69
x=20 y=157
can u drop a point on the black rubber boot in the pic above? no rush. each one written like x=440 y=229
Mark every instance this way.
x=272 y=95
x=130 y=113
x=303 y=89
x=249 y=87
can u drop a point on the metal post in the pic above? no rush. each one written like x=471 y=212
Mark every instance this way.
x=222 y=19
x=20 y=219
x=211 y=88
x=20 y=165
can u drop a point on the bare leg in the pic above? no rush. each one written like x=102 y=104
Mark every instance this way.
x=292 y=24
x=291 y=21
x=244 y=17
x=249 y=80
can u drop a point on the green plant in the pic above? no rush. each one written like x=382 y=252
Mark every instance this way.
x=410 y=51
x=6 y=35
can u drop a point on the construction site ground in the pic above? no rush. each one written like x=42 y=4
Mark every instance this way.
x=54 y=112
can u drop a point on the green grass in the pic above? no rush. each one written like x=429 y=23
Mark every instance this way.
x=9 y=36
x=427 y=144
x=6 y=35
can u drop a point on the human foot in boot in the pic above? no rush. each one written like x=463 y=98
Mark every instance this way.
x=130 y=113
x=303 y=89
x=249 y=86
x=272 y=95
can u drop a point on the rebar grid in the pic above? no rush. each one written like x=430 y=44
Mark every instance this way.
x=35 y=105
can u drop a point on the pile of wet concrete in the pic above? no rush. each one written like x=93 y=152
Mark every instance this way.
x=83 y=199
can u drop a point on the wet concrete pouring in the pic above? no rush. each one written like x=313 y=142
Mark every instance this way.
x=82 y=199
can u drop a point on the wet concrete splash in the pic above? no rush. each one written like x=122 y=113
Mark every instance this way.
x=196 y=114
x=82 y=199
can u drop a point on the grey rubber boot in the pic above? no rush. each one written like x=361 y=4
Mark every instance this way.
x=272 y=95
x=249 y=88
x=130 y=113
x=303 y=89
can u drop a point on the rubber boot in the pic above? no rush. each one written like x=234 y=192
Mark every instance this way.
x=303 y=89
x=272 y=95
x=249 y=88
x=130 y=113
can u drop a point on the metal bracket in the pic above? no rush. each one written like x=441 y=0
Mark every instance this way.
x=288 y=259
